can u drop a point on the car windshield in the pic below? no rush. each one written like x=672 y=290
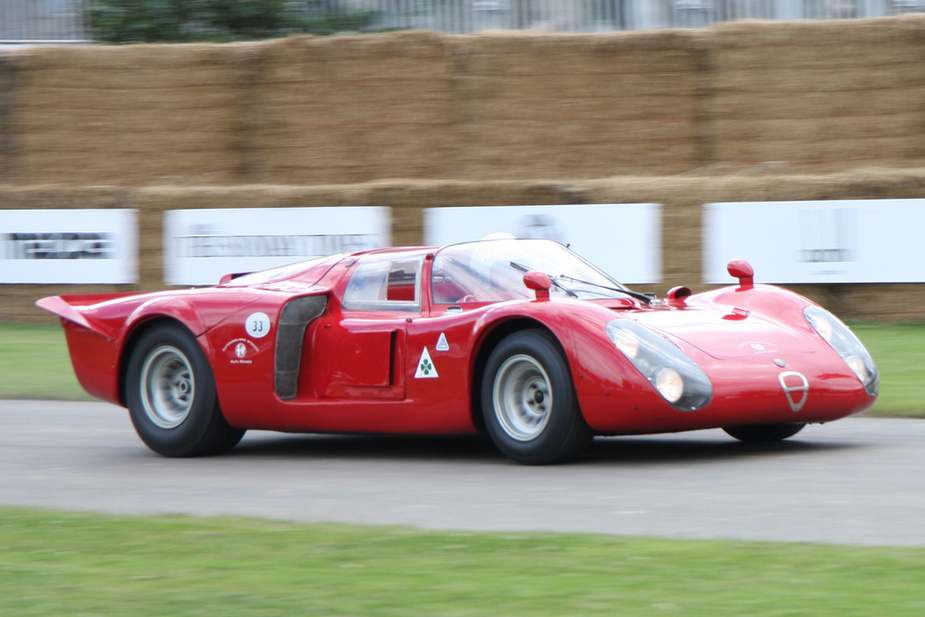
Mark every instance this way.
x=493 y=270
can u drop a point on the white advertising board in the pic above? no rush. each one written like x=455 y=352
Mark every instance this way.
x=68 y=246
x=624 y=240
x=856 y=241
x=201 y=246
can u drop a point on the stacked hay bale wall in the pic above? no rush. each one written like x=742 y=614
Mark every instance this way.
x=566 y=106
x=317 y=110
x=337 y=110
x=128 y=115
x=7 y=91
x=818 y=95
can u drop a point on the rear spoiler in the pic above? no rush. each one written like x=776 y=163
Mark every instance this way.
x=70 y=307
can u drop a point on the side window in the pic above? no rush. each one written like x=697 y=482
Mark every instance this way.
x=384 y=284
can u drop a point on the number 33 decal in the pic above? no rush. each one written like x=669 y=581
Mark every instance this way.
x=257 y=325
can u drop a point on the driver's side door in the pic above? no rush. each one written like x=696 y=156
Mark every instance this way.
x=359 y=351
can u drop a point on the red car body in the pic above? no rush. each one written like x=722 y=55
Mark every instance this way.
x=302 y=349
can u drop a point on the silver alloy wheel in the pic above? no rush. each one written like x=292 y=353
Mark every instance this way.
x=167 y=387
x=522 y=396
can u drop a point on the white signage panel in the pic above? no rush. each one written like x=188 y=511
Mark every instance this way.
x=856 y=241
x=201 y=246
x=624 y=240
x=68 y=246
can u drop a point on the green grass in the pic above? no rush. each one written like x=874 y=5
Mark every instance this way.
x=54 y=563
x=34 y=363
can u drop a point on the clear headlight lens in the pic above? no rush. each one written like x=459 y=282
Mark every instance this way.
x=670 y=384
x=625 y=342
x=860 y=369
x=846 y=344
x=674 y=375
x=821 y=323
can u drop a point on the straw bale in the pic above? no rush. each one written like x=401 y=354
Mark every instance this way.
x=356 y=108
x=825 y=140
x=50 y=197
x=131 y=115
x=577 y=106
x=8 y=72
x=825 y=91
x=512 y=105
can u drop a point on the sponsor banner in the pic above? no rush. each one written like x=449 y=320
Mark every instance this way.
x=624 y=240
x=857 y=241
x=201 y=246
x=82 y=247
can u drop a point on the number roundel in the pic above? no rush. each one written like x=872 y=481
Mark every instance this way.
x=257 y=325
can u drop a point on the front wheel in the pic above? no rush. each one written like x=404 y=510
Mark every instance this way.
x=171 y=397
x=529 y=402
x=764 y=433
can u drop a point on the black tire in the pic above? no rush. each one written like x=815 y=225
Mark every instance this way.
x=529 y=403
x=764 y=433
x=171 y=397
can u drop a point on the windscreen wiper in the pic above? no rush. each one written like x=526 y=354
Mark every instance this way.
x=622 y=290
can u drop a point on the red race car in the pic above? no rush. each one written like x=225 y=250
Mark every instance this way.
x=521 y=339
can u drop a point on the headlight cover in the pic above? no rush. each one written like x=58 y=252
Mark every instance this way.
x=846 y=344
x=673 y=375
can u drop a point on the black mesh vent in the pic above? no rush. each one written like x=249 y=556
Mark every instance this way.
x=290 y=333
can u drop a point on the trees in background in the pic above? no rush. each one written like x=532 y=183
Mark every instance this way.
x=151 y=21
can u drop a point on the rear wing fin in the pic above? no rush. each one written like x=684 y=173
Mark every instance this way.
x=70 y=307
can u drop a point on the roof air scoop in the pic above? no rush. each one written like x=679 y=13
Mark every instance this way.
x=678 y=295
x=742 y=270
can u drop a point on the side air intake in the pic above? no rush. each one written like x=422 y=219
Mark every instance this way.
x=290 y=334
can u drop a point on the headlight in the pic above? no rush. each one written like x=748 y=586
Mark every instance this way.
x=860 y=369
x=625 y=342
x=670 y=384
x=820 y=321
x=675 y=376
x=846 y=344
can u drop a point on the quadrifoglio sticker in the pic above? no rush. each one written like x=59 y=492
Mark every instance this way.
x=239 y=351
x=426 y=368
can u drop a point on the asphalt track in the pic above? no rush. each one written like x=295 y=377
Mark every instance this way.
x=856 y=481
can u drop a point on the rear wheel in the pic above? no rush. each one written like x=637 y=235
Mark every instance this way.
x=529 y=403
x=170 y=392
x=764 y=433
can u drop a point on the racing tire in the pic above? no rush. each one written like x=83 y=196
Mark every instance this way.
x=529 y=403
x=171 y=396
x=764 y=433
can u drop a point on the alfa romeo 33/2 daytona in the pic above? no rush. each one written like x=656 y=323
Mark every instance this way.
x=520 y=339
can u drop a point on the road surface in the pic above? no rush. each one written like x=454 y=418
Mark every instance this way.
x=856 y=481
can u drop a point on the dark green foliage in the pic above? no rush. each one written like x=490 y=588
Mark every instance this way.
x=175 y=21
